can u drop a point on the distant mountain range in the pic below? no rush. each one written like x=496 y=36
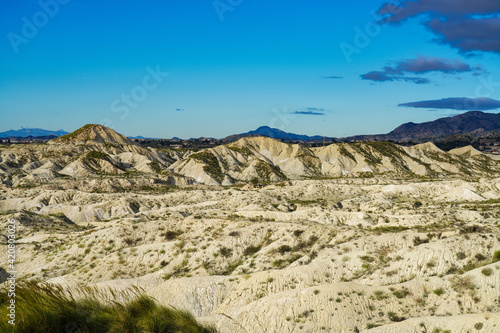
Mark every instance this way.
x=473 y=121
x=34 y=132
x=275 y=134
x=463 y=123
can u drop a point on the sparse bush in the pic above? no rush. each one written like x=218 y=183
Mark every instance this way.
x=471 y=229
x=480 y=257
x=171 y=234
x=93 y=155
x=367 y=258
x=279 y=263
x=225 y=251
x=231 y=267
x=401 y=293
x=496 y=256
x=129 y=241
x=251 y=250
x=284 y=248
x=440 y=330
x=438 y=291
x=487 y=271
x=379 y=295
x=371 y=325
x=431 y=264
x=313 y=239
x=394 y=317
x=462 y=283
x=418 y=241
x=461 y=256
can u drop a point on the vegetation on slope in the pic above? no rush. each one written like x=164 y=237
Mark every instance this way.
x=212 y=167
x=243 y=151
x=49 y=308
x=266 y=170
x=96 y=155
x=82 y=130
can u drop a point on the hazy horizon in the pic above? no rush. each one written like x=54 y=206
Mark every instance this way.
x=200 y=134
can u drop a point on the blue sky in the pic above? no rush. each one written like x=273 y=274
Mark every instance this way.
x=215 y=68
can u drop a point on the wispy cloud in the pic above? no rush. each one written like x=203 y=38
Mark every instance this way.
x=309 y=113
x=381 y=76
x=420 y=65
x=464 y=24
x=179 y=110
x=456 y=103
x=333 y=77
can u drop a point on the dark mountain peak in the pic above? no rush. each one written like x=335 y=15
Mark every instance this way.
x=275 y=133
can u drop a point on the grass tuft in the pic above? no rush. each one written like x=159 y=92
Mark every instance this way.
x=50 y=308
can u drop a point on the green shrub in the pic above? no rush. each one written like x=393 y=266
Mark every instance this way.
x=225 y=251
x=367 y=258
x=379 y=295
x=480 y=257
x=171 y=234
x=487 y=271
x=438 y=291
x=96 y=155
x=251 y=250
x=284 y=248
x=496 y=256
x=462 y=283
x=394 y=317
x=401 y=293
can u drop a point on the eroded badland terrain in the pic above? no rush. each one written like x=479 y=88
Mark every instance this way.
x=264 y=236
